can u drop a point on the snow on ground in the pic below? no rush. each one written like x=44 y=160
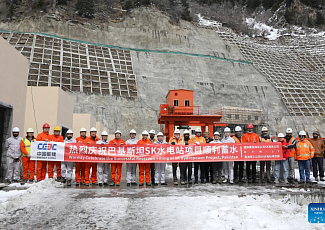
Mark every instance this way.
x=206 y=22
x=261 y=29
x=50 y=205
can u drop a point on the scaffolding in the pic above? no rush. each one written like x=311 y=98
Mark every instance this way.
x=75 y=66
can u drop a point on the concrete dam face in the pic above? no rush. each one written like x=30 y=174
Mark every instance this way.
x=121 y=72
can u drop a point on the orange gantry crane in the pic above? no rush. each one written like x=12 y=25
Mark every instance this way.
x=179 y=111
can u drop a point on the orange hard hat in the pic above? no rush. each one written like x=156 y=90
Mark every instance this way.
x=46 y=125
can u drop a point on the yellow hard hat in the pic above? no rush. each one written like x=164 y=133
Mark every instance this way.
x=57 y=128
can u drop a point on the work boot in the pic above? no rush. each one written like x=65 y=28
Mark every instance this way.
x=214 y=181
x=87 y=184
x=268 y=181
x=77 y=184
x=317 y=178
x=231 y=182
x=190 y=182
x=148 y=184
x=203 y=182
x=140 y=184
x=117 y=185
x=276 y=181
x=286 y=181
x=175 y=183
x=182 y=182
x=301 y=182
x=105 y=184
x=31 y=181
x=322 y=179
x=100 y=184
x=15 y=181
x=225 y=181
x=69 y=182
x=24 y=181
x=155 y=184
x=112 y=183
x=236 y=181
x=241 y=180
x=128 y=184
x=134 y=183
x=309 y=182
x=196 y=181
x=164 y=183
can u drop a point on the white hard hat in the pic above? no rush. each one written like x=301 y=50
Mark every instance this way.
x=145 y=132
x=198 y=130
x=16 y=130
x=104 y=133
x=70 y=131
x=83 y=129
x=280 y=135
x=302 y=133
x=216 y=133
x=133 y=131
x=238 y=129
x=177 y=131
x=118 y=131
x=30 y=130
x=264 y=129
x=160 y=134
x=227 y=129
x=289 y=130
x=152 y=131
x=186 y=132
x=93 y=129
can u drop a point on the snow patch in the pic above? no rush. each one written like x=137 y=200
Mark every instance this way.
x=207 y=22
x=261 y=29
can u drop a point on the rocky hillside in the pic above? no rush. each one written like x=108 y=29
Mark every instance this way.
x=235 y=14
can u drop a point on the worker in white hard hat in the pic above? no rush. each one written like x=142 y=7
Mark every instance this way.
x=28 y=165
x=265 y=138
x=283 y=162
x=186 y=167
x=208 y=165
x=80 y=166
x=238 y=165
x=292 y=141
x=216 y=165
x=12 y=147
x=144 y=168
x=103 y=168
x=92 y=139
x=116 y=168
x=228 y=165
x=175 y=140
x=67 y=167
x=160 y=167
x=197 y=140
x=131 y=167
x=304 y=153
x=152 y=138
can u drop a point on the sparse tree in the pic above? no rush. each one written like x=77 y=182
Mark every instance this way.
x=85 y=8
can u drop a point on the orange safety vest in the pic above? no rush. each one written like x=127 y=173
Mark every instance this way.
x=236 y=139
x=304 y=150
x=265 y=140
x=292 y=150
x=173 y=139
x=197 y=139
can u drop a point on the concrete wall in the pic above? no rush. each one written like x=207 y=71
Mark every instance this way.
x=13 y=88
x=85 y=120
x=13 y=74
x=52 y=105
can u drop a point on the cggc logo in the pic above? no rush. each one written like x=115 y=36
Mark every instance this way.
x=46 y=146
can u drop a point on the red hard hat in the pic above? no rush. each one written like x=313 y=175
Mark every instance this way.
x=46 y=125
x=249 y=126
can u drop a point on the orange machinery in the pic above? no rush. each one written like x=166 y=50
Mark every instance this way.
x=179 y=111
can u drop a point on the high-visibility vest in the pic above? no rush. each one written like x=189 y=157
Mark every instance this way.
x=292 y=150
x=265 y=140
x=237 y=139
x=27 y=144
x=304 y=150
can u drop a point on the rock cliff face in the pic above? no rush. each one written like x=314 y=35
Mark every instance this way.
x=216 y=82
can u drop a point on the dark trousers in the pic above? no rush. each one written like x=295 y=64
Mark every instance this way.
x=217 y=170
x=251 y=173
x=152 y=172
x=198 y=165
x=208 y=172
x=268 y=170
x=239 y=169
x=318 y=169
x=174 y=165
x=186 y=171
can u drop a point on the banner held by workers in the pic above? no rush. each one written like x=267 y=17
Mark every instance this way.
x=155 y=153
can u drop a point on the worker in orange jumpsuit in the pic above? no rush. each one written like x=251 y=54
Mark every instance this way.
x=41 y=165
x=92 y=139
x=116 y=168
x=80 y=166
x=250 y=137
x=28 y=165
x=144 y=167
x=56 y=137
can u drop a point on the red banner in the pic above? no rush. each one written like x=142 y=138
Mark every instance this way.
x=173 y=153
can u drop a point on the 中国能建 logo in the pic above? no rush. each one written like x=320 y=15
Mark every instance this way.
x=316 y=213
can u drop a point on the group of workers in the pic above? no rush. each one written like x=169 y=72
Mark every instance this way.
x=294 y=149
